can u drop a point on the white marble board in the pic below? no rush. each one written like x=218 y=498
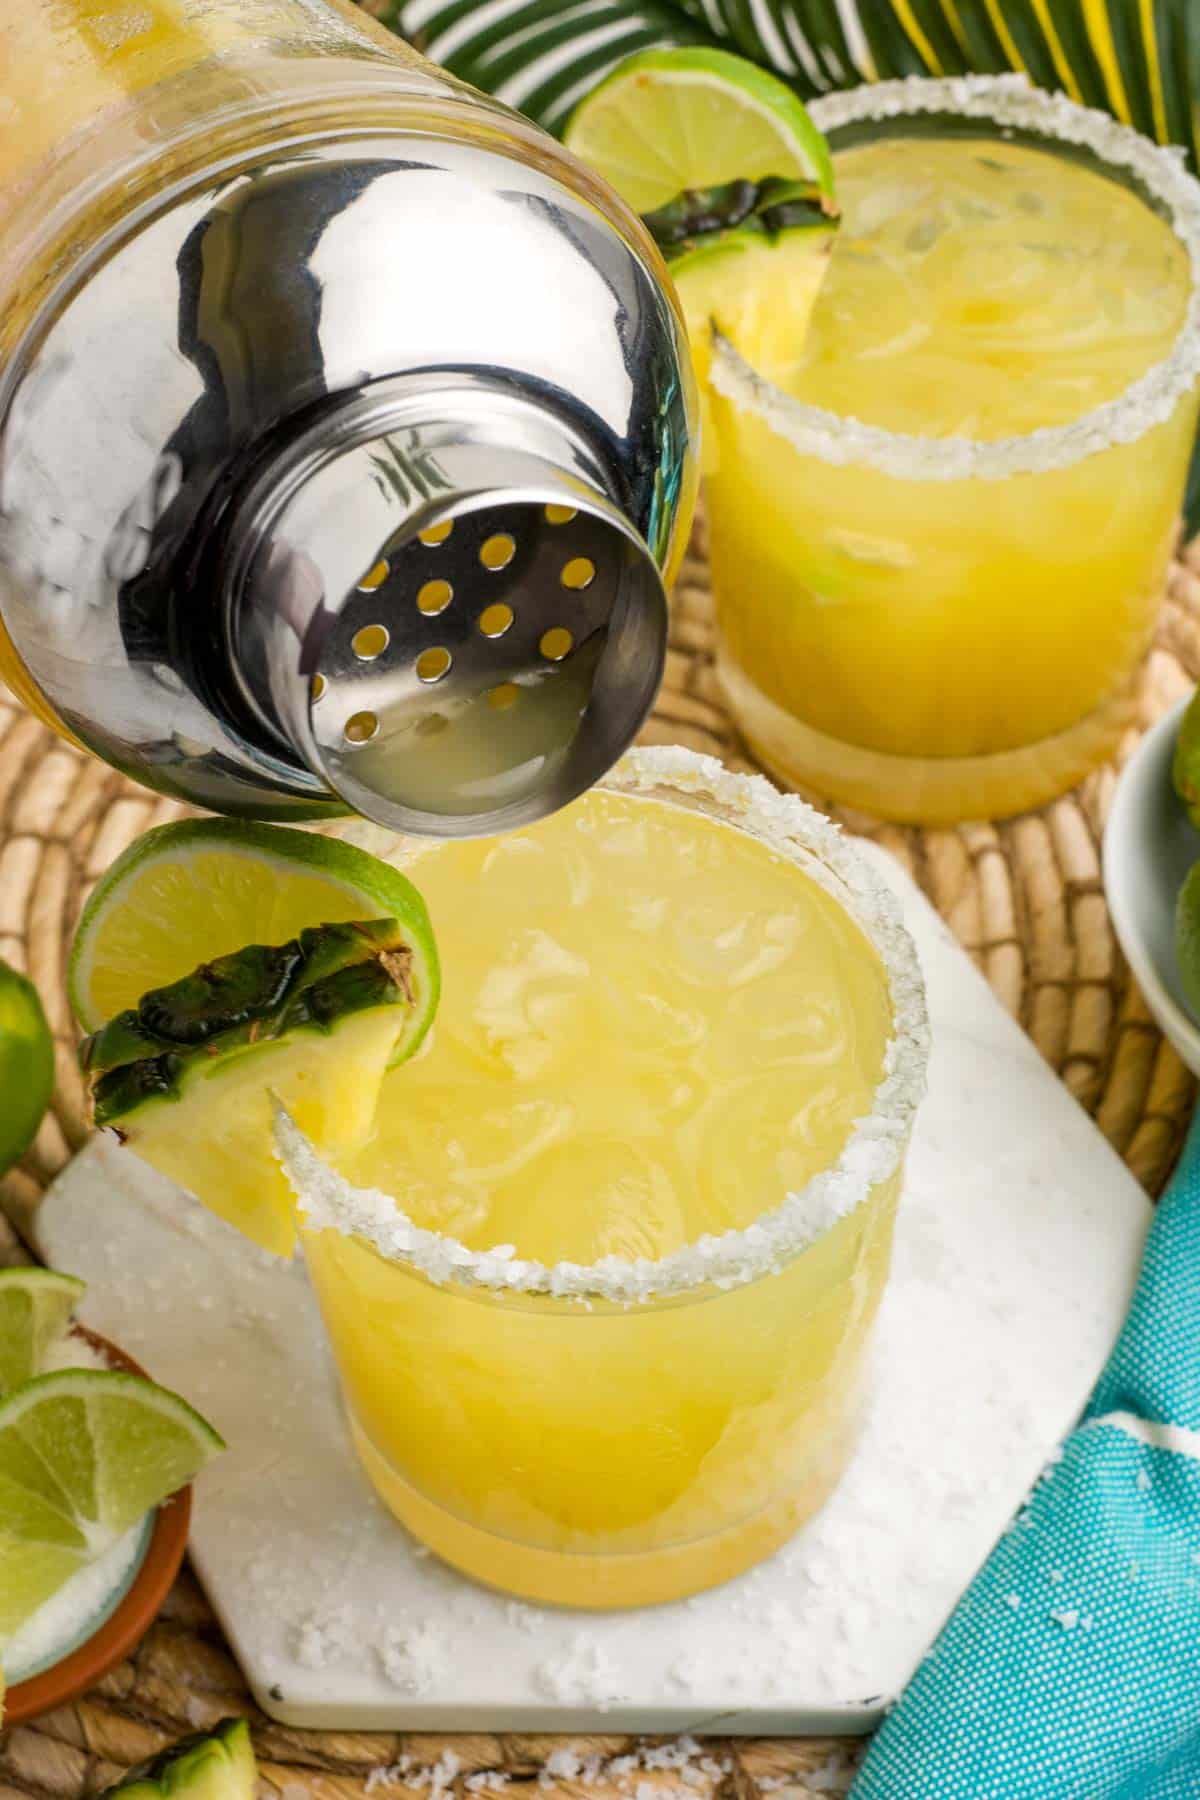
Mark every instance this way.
x=1016 y=1252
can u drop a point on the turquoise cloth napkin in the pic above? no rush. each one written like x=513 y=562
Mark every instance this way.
x=1070 y=1670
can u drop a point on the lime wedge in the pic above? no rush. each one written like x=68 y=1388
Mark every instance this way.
x=668 y=120
x=184 y=894
x=26 y=1065
x=35 y=1310
x=84 y=1454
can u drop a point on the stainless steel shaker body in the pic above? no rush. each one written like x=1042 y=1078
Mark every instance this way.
x=297 y=394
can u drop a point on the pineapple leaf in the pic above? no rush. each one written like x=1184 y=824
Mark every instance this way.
x=1140 y=59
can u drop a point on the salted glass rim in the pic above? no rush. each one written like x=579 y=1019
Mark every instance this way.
x=1005 y=101
x=872 y=1152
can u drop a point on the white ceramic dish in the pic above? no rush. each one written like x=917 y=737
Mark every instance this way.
x=1149 y=846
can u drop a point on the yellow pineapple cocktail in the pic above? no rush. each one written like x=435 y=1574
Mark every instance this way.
x=940 y=538
x=599 y=1289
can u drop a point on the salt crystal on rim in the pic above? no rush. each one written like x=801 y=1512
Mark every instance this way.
x=1011 y=103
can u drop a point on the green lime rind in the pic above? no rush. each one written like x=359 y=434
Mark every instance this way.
x=634 y=131
x=1185 y=764
x=384 y=892
x=84 y=1454
x=26 y=1065
x=36 y=1306
x=211 y=1765
x=1187 y=937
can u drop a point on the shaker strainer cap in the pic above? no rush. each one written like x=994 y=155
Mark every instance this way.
x=459 y=631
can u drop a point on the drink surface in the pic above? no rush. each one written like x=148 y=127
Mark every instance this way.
x=651 y=1027
x=985 y=289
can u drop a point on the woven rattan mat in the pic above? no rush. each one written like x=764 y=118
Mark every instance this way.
x=1025 y=898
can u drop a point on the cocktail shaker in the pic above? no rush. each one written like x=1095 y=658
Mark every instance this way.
x=346 y=425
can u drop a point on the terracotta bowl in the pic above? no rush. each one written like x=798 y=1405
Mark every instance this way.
x=133 y=1615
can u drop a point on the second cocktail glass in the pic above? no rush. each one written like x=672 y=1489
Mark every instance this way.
x=940 y=540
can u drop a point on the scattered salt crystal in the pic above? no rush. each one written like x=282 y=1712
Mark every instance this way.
x=833 y=1777
x=1013 y=1600
x=387 y=1774
x=561 y=1765
x=323 y=1638
x=1056 y=1576
x=413 y=1658
x=585 y=1673
x=1143 y=1481
x=1068 y=1618
x=438 y=1778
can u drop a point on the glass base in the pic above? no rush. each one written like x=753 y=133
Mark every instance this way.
x=914 y=790
x=614 y=1579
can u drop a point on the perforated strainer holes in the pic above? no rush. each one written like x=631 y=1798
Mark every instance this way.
x=433 y=663
x=497 y=551
x=556 y=643
x=495 y=620
x=434 y=597
x=374 y=578
x=560 y=515
x=579 y=573
x=360 y=728
x=504 y=696
x=316 y=687
x=370 y=642
x=436 y=534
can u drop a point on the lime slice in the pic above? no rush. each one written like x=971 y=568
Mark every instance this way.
x=83 y=1456
x=708 y=137
x=668 y=120
x=35 y=1310
x=184 y=894
x=26 y=1065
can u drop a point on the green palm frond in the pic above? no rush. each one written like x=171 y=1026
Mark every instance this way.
x=1140 y=59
